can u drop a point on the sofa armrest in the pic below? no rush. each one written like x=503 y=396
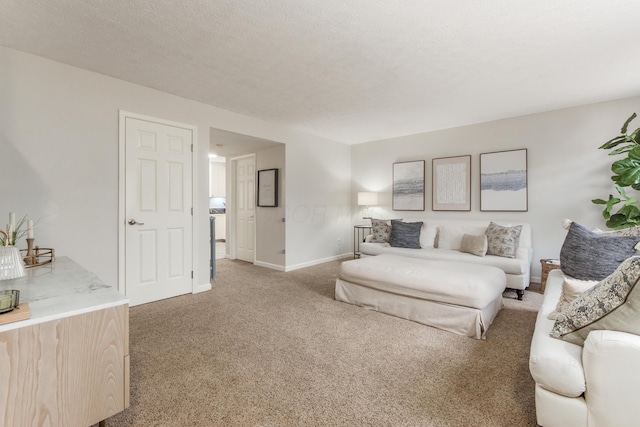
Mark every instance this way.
x=611 y=361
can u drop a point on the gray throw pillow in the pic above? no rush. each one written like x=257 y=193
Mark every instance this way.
x=475 y=245
x=380 y=230
x=586 y=255
x=502 y=241
x=405 y=234
x=613 y=304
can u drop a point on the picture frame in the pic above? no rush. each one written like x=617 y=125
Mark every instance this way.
x=268 y=188
x=451 y=183
x=504 y=181
x=408 y=186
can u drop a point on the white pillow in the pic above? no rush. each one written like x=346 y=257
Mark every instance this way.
x=428 y=236
x=571 y=289
x=450 y=236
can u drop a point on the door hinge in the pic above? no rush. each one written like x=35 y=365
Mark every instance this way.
x=191 y=211
x=192 y=274
x=192 y=148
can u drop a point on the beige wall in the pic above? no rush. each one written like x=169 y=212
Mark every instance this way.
x=565 y=168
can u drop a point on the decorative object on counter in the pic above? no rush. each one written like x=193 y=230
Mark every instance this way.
x=14 y=230
x=9 y=299
x=11 y=264
x=35 y=256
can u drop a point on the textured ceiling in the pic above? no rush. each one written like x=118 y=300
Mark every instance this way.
x=351 y=71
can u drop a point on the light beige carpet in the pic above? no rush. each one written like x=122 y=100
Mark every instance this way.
x=266 y=348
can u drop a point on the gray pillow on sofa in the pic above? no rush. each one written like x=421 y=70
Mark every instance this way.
x=612 y=304
x=405 y=234
x=586 y=255
x=502 y=241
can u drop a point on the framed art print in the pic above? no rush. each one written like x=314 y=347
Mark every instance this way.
x=451 y=186
x=503 y=181
x=268 y=188
x=408 y=186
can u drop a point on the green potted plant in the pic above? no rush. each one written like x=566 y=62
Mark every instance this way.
x=626 y=174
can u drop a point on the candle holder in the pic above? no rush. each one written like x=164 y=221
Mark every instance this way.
x=34 y=256
x=30 y=258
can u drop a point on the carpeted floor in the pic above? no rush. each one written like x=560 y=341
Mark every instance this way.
x=266 y=348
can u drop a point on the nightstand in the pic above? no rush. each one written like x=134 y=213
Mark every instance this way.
x=360 y=232
x=547 y=266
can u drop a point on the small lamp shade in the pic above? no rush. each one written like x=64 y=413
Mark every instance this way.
x=367 y=198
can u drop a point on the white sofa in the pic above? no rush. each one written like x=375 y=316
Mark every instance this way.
x=440 y=240
x=597 y=385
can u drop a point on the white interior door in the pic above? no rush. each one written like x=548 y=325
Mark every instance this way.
x=158 y=209
x=245 y=177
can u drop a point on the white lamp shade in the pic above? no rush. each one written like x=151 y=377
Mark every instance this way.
x=367 y=198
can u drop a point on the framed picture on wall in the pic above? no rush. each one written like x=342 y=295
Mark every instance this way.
x=451 y=186
x=503 y=181
x=268 y=188
x=408 y=186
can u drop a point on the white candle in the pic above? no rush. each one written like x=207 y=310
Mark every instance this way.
x=30 y=229
x=12 y=219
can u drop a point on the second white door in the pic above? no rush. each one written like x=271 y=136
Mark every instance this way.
x=245 y=177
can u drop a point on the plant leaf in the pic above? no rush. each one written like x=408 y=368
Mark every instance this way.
x=626 y=124
x=621 y=150
x=613 y=142
x=598 y=202
x=627 y=170
x=616 y=221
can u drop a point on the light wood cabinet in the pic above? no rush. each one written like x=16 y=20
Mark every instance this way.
x=69 y=372
x=72 y=370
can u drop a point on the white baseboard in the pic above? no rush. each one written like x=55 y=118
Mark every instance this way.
x=269 y=265
x=319 y=261
x=202 y=288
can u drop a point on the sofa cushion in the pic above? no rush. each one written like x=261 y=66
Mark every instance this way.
x=555 y=365
x=405 y=234
x=613 y=304
x=380 y=230
x=509 y=265
x=428 y=236
x=503 y=240
x=571 y=289
x=587 y=255
x=475 y=245
x=450 y=235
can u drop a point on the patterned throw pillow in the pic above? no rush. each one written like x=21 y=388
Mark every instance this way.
x=475 y=245
x=380 y=230
x=586 y=255
x=502 y=241
x=613 y=304
x=405 y=234
x=571 y=289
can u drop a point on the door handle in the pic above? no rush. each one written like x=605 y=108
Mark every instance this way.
x=134 y=222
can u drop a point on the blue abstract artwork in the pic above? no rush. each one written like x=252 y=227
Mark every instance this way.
x=503 y=181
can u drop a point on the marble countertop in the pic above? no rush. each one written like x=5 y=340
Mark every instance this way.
x=61 y=289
